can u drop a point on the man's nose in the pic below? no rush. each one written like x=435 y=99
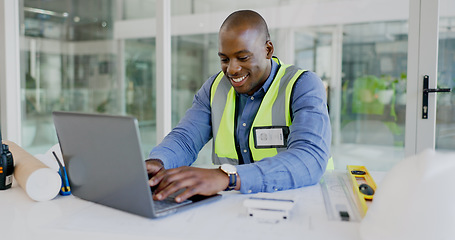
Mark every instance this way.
x=233 y=67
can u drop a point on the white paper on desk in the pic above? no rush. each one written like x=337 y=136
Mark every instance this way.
x=48 y=158
x=415 y=200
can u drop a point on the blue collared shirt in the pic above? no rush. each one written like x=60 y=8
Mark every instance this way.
x=302 y=164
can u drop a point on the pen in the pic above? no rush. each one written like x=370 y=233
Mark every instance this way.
x=65 y=189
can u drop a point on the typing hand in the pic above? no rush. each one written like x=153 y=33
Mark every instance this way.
x=194 y=180
x=154 y=166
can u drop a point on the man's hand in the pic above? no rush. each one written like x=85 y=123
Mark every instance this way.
x=195 y=180
x=153 y=167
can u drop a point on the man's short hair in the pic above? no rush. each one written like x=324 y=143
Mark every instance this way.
x=247 y=17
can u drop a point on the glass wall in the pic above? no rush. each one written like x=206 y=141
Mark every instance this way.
x=372 y=118
x=191 y=67
x=140 y=92
x=70 y=61
x=367 y=100
x=73 y=59
x=372 y=79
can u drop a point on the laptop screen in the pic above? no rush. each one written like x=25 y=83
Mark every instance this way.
x=104 y=161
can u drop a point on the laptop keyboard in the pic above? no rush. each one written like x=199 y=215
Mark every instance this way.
x=169 y=203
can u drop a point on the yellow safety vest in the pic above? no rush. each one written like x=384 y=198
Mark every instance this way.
x=273 y=111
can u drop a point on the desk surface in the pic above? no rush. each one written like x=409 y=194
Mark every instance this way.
x=68 y=217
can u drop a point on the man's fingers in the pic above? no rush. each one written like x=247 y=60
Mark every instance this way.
x=156 y=179
x=155 y=171
x=189 y=192
x=153 y=166
x=193 y=180
x=174 y=187
x=172 y=181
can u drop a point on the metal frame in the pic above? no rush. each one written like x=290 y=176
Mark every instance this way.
x=163 y=69
x=10 y=110
x=422 y=60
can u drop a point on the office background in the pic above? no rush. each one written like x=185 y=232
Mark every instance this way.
x=103 y=57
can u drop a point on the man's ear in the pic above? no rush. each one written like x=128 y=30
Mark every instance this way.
x=269 y=48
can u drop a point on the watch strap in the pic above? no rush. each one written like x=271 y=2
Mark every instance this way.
x=232 y=182
x=232 y=174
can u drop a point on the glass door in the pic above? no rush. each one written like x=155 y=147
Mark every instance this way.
x=430 y=112
x=445 y=112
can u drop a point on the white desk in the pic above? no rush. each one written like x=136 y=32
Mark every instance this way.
x=68 y=217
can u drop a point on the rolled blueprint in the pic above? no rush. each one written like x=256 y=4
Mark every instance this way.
x=40 y=182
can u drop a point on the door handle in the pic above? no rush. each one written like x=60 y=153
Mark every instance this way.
x=427 y=90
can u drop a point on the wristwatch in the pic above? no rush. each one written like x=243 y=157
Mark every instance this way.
x=231 y=171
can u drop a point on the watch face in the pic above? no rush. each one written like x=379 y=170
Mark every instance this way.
x=230 y=169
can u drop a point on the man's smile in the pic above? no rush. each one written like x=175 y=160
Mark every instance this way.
x=239 y=79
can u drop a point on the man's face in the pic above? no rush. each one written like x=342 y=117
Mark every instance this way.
x=245 y=58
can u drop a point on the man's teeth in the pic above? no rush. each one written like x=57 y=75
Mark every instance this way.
x=238 y=79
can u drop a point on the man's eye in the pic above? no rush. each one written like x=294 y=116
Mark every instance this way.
x=224 y=60
x=243 y=58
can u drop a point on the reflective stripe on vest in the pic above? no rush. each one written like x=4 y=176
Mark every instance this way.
x=273 y=111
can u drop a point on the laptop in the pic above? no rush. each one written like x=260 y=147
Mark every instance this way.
x=104 y=163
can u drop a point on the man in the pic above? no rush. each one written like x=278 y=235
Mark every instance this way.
x=269 y=122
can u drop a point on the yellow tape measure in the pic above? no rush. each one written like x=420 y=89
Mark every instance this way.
x=363 y=186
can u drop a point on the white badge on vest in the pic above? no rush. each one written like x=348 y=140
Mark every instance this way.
x=271 y=136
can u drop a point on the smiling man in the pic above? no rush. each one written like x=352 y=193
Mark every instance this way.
x=269 y=122
x=245 y=52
